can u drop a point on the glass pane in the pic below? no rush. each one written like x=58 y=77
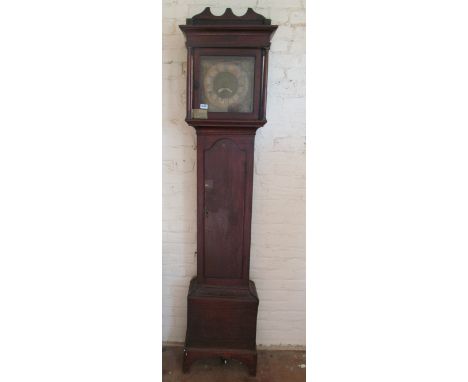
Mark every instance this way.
x=227 y=83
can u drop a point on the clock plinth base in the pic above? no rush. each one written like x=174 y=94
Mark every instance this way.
x=221 y=322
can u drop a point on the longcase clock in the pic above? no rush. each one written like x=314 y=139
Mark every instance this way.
x=227 y=64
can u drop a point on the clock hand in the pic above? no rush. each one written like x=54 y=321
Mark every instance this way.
x=221 y=89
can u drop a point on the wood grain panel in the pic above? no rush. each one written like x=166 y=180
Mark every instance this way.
x=224 y=165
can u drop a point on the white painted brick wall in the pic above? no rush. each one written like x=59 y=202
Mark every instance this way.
x=278 y=221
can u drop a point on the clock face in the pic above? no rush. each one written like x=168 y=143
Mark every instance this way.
x=227 y=83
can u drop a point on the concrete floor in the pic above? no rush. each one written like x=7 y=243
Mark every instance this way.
x=272 y=366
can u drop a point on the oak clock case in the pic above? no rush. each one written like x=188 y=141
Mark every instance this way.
x=227 y=65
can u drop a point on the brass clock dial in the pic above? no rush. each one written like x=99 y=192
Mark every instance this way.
x=227 y=83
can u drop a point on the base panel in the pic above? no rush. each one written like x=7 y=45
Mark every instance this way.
x=221 y=322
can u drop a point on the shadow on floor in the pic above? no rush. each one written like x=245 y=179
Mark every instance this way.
x=272 y=366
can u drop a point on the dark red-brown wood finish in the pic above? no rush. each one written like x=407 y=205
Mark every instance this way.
x=222 y=301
